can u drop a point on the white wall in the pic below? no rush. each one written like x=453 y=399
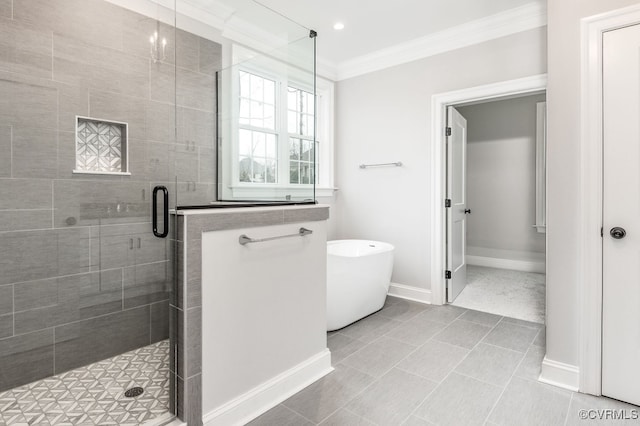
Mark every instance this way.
x=501 y=176
x=332 y=223
x=265 y=356
x=563 y=171
x=385 y=116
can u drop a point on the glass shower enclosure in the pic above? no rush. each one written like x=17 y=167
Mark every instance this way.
x=112 y=115
x=267 y=141
x=87 y=131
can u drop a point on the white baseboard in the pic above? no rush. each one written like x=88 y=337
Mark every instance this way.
x=262 y=398
x=167 y=419
x=416 y=294
x=176 y=422
x=560 y=374
x=515 y=265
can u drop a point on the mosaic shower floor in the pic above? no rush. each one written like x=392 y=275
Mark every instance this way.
x=94 y=394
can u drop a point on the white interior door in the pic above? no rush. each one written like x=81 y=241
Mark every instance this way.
x=621 y=197
x=456 y=192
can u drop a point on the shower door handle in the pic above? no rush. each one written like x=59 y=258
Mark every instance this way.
x=165 y=211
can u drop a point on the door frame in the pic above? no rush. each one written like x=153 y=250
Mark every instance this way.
x=591 y=194
x=439 y=103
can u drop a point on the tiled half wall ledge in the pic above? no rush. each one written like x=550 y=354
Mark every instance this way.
x=186 y=303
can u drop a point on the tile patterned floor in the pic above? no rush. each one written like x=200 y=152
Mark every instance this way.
x=504 y=292
x=94 y=394
x=413 y=364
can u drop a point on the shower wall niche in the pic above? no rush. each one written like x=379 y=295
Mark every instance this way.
x=101 y=146
x=82 y=277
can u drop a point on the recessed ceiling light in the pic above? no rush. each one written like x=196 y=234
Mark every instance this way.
x=338 y=26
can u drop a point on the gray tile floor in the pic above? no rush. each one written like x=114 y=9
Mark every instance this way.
x=415 y=364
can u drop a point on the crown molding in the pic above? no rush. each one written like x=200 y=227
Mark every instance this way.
x=530 y=16
x=215 y=16
x=219 y=21
x=326 y=69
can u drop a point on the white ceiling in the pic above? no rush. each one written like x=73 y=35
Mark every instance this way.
x=377 y=33
x=372 y=25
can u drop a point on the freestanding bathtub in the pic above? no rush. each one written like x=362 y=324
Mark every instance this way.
x=358 y=278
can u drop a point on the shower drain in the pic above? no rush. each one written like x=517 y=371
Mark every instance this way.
x=133 y=392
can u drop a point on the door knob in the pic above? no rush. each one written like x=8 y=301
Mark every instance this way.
x=618 y=233
x=467 y=211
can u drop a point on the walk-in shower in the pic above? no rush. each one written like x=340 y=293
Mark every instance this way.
x=105 y=106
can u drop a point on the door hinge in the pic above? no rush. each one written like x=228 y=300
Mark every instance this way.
x=447 y=275
x=601 y=232
x=447 y=131
x=447 y=202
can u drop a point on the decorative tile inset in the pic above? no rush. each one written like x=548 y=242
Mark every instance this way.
x=101 y=146
x=94 y=394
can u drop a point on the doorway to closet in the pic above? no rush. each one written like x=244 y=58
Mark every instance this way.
x=495 y=223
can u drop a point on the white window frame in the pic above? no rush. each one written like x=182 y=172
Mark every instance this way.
x=277 y=71
x=325 y=95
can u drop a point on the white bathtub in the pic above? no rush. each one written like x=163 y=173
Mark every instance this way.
x=358 y=278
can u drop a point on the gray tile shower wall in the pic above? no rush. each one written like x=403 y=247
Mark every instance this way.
x=34 y=359
x=81 y=276
x=5 y=8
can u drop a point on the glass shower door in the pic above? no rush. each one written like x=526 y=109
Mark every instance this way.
x=87 y=125
x=267 y=121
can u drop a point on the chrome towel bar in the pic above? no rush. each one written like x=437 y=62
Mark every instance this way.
x=397 y=164
x=243 y=239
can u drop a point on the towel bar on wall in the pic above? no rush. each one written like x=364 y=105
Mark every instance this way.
x=397 y=164
x=244 y=239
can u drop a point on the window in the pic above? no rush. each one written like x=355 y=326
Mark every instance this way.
x=257 y=137
x=300 y=121
x=261 y=133
x=267 y=149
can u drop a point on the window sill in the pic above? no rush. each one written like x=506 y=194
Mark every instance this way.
x=325 y=192
x=542 y=229
x=89 y=172
x=261 y=191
